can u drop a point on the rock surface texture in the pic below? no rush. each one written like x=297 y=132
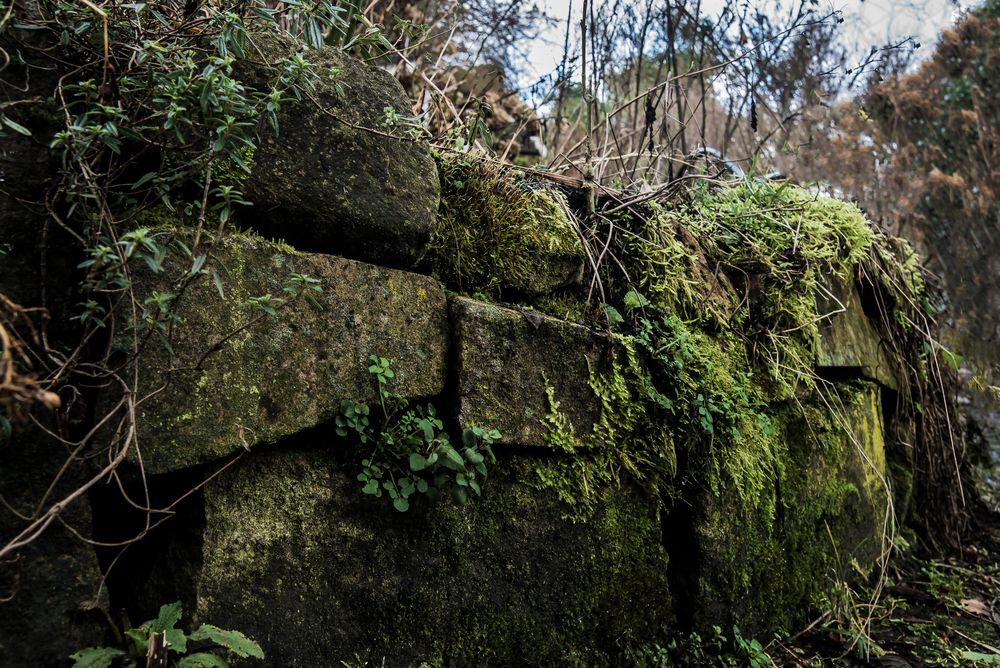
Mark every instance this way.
x=335 y=179
x=293 y=555
x=52 y=605
x=508 y=362
x=238 y=376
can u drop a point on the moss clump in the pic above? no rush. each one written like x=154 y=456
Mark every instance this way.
x=497 y=233
x=667 y=265
x=781 y=245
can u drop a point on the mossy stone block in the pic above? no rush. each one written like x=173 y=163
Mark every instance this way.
x=761 y=569
x=238 y=377
x=501 y=234
x=848 y=340
x=509 y=361
x=299 y=559
x=334 y=179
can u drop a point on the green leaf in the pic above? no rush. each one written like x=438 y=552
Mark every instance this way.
x=16 y=127
x=454 y=457
x=234 y=641
x=95 y=657
x=428 y=430
x=139 y=637
x=614 y=317
x=401 y=504
x=422 y=486
x=417 y=462
x=473 y=457
x=202 y=660
x=218 y=284
x=371 y=487
x=469 y=438
x=177 y=640
x=169 y=615
x=475 y=487
x=144 y=179
x=634 y=299
x=979 y=657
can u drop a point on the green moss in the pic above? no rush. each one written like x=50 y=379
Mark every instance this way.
x=665 y=269
x=481 y=582
x=497 y=233
x=228 y=172
x=568 y=306
x=762 y=570
x=715 y=403
x=558 y=429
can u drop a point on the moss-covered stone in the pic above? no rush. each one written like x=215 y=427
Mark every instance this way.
x=498 y=233
x=518 y=370
x=832 y=514
x=335 y=180
x=238 y=377
x=295 y=556
x=848 y=341
x=52 y=601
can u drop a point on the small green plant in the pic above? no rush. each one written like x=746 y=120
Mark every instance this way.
x=199 y=649
x=716 y=650
x=752 y=650
x=410 y=451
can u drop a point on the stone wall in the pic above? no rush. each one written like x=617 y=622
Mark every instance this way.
x=287 y=548
x=581 y=548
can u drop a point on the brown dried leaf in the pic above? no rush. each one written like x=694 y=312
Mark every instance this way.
x=976 y=607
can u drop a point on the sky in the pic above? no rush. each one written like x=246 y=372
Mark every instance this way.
x=866 y=23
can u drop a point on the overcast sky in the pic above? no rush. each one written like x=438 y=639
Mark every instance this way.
x=866 y=23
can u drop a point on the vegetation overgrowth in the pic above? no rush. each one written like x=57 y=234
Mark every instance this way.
x=713 y=293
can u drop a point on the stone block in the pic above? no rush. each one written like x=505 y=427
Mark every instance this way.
x=759 y=566
x=335 y=180
x=238 y=377
x=52 y=601
x=507 y=359
x=848 y=341
x=295 y=556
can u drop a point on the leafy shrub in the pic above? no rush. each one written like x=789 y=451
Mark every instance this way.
x=194 y=650
x=411 y=451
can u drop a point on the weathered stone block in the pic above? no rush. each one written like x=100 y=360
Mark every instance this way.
x=238 y=377
x=51 y=605
x=506 y=361
x=294 y=555
x=848 y=340
x=760 y=566
x=335 y=180
x=38 y=257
